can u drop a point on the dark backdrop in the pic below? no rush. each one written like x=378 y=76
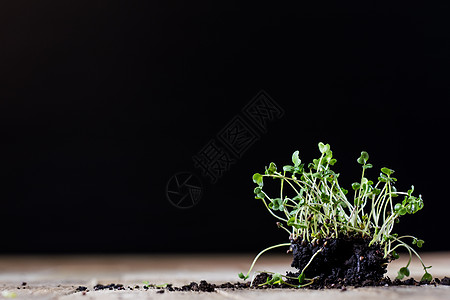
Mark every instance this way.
x=102 y=102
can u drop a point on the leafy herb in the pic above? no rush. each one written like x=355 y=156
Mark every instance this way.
x=314 y=205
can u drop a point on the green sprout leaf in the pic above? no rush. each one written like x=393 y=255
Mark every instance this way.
x=271 y=169
x=387 y=171
x=295 y=159
x=382 y=178
x=301 y=278
x=402 y=273
x=328 y=155
x=242 y=276
x=276 y=277
x=258 y=179
x=258 y=193
x=323 y=148
x=426 y=277
x=332 y=161
x=362 y=160
x=418 y=242
x=316 y=163
x=355 y=186
x=395 y=255
x=289 y=169
x=277 y=204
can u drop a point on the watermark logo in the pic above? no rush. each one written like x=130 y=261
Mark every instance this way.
x=217 y=156
x=184 y=190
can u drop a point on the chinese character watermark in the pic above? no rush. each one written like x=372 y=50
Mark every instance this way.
x=216 y=157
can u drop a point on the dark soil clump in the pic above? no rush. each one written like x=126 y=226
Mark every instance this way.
x=445 y=281
x=195 y=287
x=81 y=289
x=111 y=286
x=261 y=279
x=342 y=261
x=409 y=281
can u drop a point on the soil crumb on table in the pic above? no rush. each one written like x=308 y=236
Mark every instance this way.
x=258 y=282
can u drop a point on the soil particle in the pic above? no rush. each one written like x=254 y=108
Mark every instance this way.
x=409 y=281
x=170 y=288
x=111 y=286
x=260 y=279
x=445 y=281
x=81 y=288
x=206 y=287
x=195 y=287
x=236 y=285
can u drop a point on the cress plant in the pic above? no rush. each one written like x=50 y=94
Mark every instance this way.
x=312 y=205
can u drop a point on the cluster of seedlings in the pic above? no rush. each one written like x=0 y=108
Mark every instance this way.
x=336 y=236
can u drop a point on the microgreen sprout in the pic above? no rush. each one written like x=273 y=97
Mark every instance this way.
x=150 y=285
x=312 y=205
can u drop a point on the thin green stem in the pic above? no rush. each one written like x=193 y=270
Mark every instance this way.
x=311 y=259
x=260 y=253
x=268 y=208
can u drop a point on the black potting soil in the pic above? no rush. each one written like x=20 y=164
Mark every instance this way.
x=342 y=261
x=347 y=261
x=445 y=281
x=111 y=286
x=260 y=279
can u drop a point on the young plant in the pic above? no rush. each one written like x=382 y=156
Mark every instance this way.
x=312 y=205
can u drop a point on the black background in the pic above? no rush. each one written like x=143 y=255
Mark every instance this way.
x=101 y=102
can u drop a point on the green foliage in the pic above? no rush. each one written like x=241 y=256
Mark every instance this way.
x=417 y=242
x=150 y=285
x=402 y=273
x=362 y=160
x=271 y=169
x=295 y=159
x=395 y=255
x=313 y=205
x=258 y=179
x=301 y=278
x=427 y=277
x=275 y=279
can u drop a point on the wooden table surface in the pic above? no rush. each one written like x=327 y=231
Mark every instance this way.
x=56 y=277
